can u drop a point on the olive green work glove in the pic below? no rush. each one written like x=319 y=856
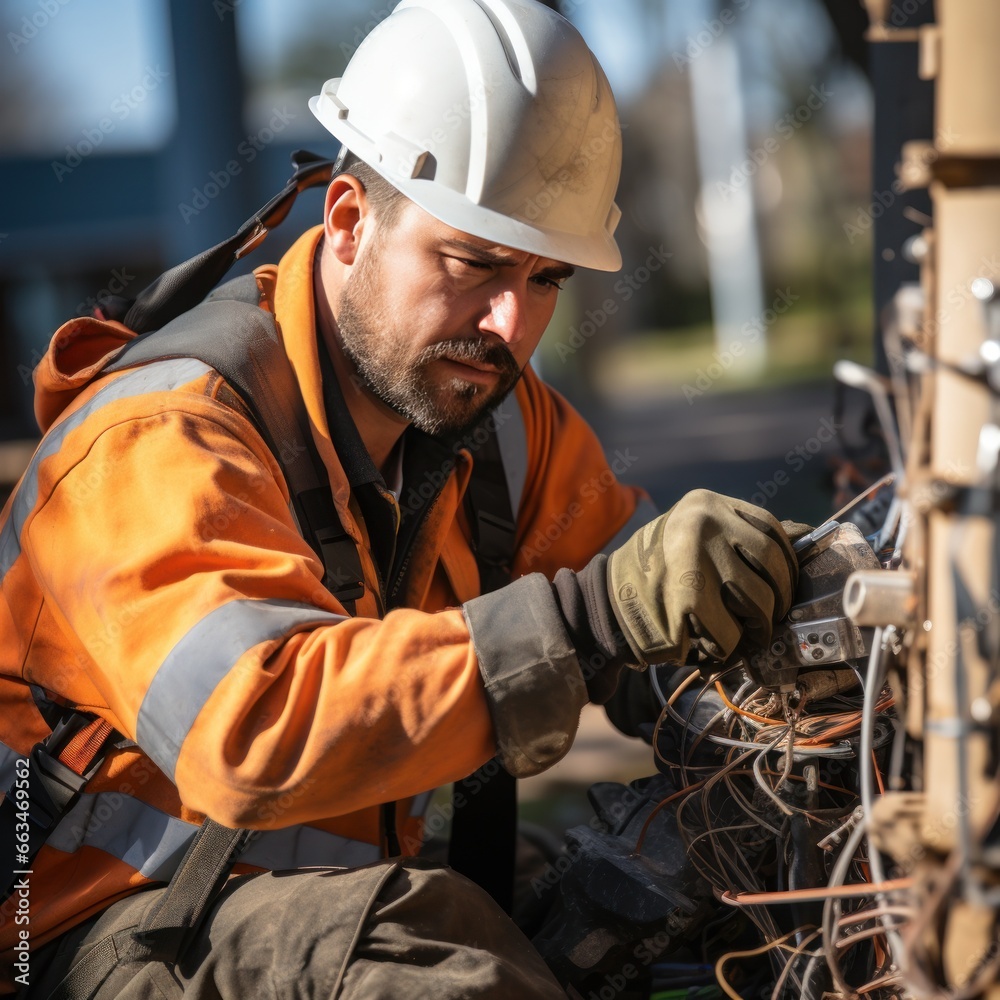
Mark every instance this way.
x=710 y=572
x=697 y=580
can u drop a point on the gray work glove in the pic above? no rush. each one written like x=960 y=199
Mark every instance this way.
x=697 y=580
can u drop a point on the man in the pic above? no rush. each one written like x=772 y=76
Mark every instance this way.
x=155 y=577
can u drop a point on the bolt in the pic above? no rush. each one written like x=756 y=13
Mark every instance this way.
x=829 y=639
x=983 y=289
x=818 y=654
x=981 y=710
x=812 y=638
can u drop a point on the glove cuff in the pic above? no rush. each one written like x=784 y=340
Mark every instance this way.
x=600 y=644
x=530 y=674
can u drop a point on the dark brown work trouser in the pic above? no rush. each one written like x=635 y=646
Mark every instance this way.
x=393 y=929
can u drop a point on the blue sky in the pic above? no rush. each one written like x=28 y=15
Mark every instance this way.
x=89 y=53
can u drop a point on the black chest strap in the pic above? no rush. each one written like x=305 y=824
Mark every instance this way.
x=483 y=842
x=46 y=785
x=233 y=335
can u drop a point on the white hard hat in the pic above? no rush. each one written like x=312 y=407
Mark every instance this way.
x=492 y=115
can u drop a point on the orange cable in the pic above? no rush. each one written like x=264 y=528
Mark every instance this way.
x=820 y=892
x=742 y=711
x=878 y=774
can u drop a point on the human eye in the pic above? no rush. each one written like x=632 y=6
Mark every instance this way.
x=465 y=267
x=548 y=282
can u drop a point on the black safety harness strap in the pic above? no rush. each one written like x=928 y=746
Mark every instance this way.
x=171 y=922
x=46 y=786
x=483 y=842
x=232 y=334
x=187 y=284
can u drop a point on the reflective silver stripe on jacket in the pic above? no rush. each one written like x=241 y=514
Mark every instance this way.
x=159 y=377
x=512 y=437
x=150 y=841
x=643 y=514
x=153 y=842
x=202 y=658
x=306 y=847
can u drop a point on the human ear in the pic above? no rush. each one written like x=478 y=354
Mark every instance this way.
x=344 y=215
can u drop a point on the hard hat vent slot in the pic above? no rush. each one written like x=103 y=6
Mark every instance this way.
x=427 y=168
x=505 y=40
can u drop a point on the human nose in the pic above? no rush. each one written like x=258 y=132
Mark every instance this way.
x=506 y=317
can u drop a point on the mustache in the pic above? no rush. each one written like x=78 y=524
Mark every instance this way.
x=478 y=349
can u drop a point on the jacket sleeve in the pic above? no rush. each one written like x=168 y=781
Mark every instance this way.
x=164 y=544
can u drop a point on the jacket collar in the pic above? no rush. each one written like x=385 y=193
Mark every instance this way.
x=448 y=468
x=295 y=312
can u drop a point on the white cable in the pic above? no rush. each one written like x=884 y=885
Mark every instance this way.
x=874 y=680
x=859 y=377
x=655 y=681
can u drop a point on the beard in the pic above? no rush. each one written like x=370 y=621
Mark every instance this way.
x=403 y=381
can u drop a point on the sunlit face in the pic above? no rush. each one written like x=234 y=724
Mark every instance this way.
x=438 y=324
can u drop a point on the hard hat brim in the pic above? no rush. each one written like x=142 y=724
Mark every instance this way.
x=598 y=251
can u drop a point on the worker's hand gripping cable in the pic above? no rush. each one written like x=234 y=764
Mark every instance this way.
x=693 y=584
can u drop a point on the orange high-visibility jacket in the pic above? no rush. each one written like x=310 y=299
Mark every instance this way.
x=152 y=574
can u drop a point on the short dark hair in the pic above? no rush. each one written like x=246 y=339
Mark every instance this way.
x=386 y=201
